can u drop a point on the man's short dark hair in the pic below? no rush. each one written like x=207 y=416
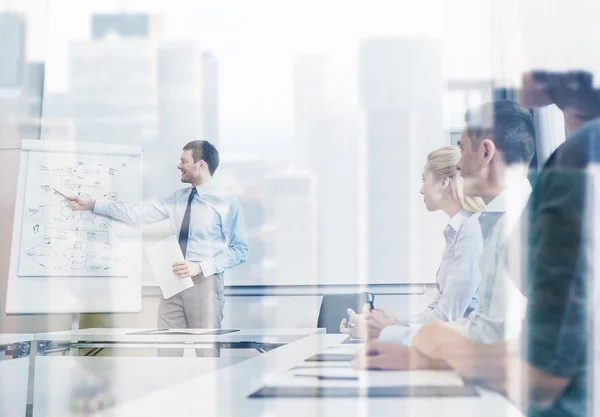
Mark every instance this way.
x=206 y=151
x=509 y=125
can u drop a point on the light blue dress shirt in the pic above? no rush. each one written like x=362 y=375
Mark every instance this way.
x=217 y=238
x=458 y=278
x=501 y=308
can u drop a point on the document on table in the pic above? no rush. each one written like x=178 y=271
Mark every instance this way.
x=348 y=377
x=162 y=255
x=345 y=349
x=303 y=382
x=271 y=391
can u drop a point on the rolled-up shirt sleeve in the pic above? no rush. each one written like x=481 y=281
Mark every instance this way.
x=236 y=238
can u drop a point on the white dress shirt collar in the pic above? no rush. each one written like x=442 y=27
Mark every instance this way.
x=512 y=202
x=205 y=187
x=458 y=219
x=512 y=199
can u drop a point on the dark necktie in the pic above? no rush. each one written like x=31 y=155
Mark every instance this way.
x=185 y=224
x=487 y=221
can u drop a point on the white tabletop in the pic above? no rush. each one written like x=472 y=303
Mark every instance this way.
x=117 y=333
x=14 y=375
x=10 y=338
x=226 y=391
x=196 y=335
x=62 y=383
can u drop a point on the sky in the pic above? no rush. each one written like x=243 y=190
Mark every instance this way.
x=257 y=42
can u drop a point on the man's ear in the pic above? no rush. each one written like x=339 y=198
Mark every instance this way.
x=488 y=149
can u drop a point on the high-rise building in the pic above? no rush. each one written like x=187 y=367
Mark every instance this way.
x=33 y=123
x=401 y=91
x=210 y=98
x=12 y=49
x=339 y=165
x=188 y=92
x=125 y=25
x=179 y=83
x=328 y=132
x=33 y=89
x=30 y=102
x=112 y=89
x=319 y=86
x=294 y=219
x=180 y=90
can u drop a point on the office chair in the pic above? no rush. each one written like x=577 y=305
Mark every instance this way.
x=333 y=309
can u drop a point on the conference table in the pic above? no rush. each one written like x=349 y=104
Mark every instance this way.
x=97 y=339
x=72 y=385
x=14 y=373
x=232 y=390
x=285 y=380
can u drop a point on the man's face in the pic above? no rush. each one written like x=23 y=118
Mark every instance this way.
x=190 y=170
x=471 y=166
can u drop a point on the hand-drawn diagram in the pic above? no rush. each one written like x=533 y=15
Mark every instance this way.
x=57 y=241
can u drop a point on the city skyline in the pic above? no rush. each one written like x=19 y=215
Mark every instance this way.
x=256 y=53
x=337 y=116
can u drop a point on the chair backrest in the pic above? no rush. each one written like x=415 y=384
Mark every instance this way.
x=333 y=309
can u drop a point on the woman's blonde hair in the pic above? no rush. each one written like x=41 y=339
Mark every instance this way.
x=442 y=163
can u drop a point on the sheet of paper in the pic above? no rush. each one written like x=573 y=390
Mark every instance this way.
x=338 y=377
x=330 y=357
x=321 y=365
x=346 y=349
x=162 y=255
x=406 y=391
x=203 y=332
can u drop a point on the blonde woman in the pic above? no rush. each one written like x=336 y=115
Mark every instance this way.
x=458 y=275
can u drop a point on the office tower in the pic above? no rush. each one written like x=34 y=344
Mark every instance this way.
x=339 y=165
x=179 y=83
x=328 y=132
x=32 y=91
x=125 y=25
x=12 y=49
x=292 y=196
x=401 y=90
x=33 y=81
x=210 y=98
x=319 y=86
x=180 y=90
x=32 y=122
x=112 y=90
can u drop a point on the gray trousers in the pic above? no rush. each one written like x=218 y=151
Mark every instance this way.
x=198 y=307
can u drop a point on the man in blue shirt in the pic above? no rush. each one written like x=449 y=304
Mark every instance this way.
x=212 y=235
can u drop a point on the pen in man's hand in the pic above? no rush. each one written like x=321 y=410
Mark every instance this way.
x=60 y=194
